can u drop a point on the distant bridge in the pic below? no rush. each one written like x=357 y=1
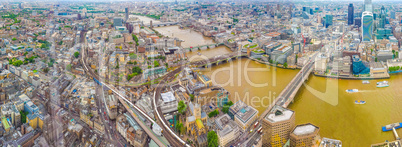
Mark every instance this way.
x=218 y=59
x=161 y=24
x=202 y=46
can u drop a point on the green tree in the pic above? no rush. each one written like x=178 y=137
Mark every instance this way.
x=135 y=39
x=137 y=70
x=191 y=97
x=212 y=138
x=156 y=63
x=68 y=67
x=225 y=108
x=14 y=39
x=285 y=65
x=181 y=107
x=46 y=70
x=76 y=54
x=213 y=113
x=23 y=116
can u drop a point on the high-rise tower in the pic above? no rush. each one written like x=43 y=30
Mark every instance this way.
x=350 y=14
x=126 y=10
x=367 y=26
x=368 y=6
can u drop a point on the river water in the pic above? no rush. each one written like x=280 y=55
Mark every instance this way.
x=322 y=102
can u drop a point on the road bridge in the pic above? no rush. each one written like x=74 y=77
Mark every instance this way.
x=216 y=60
x=287 y=95
x=202 y=46
x=162 y=24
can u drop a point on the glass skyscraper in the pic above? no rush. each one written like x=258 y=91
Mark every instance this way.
x=328 y=20
x=368 y=6
x=367 y=26
x=350 y=14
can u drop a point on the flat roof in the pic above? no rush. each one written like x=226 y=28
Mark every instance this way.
x=243 y=111
x=278 y=114
x=304 y=129
x=168 y=97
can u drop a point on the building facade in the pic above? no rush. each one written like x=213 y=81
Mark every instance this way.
x=367 y=26
x=277 y=125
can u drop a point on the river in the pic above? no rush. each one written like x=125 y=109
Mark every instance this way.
x=332 y=109
x=192 y=39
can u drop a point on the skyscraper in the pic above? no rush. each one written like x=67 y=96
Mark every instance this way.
x=328 y=20
x=117 y=21
x=277 y=126
x=350 y=14
x=126 y=10
x=367 y=26
x=368 y=6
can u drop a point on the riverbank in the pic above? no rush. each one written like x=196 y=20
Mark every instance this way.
x=353 y=78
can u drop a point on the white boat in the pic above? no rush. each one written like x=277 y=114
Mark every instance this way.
x=352 y=90
x=360 y=102
x=366 y=82
x=199 y=54
x=382 y=85
x=382 y=82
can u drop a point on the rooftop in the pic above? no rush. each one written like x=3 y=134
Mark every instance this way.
x=304 y=129
x=278 y=114
x=243 y=112
x=168 y=97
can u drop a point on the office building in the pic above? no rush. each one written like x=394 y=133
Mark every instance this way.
x=358 y=66
x=328 y=20
x=303 y=135
x=227 y=130
x=350 y=14
x=358 y=22
x=367 y=26
x=392 y=15
x=382 y=21
x=277 y=125
x=117 y=22
x=243 y=114
x=368 y=6
x=126 y=12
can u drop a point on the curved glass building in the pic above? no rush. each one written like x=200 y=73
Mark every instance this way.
x=367 y=26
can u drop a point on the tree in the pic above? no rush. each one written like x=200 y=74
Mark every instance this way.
x=191 y=97
x=213 y=113
x=156 y=63
x=14 y=39
x=46 y=70
x=135 y=39
x=180 y=128
x=285 y=65
x=23 y=116
x=181 y=107
x=76 y=54
x=225 y=108
x=212 y=138
x=136 y=70
x=68 y=67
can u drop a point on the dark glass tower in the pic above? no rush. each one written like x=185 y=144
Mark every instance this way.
x=350 y=14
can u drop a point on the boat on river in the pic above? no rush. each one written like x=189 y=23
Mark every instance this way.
x=366 y=82
x=382 y=82
x=360 y=102
x=382 y=85
x=352 y=90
